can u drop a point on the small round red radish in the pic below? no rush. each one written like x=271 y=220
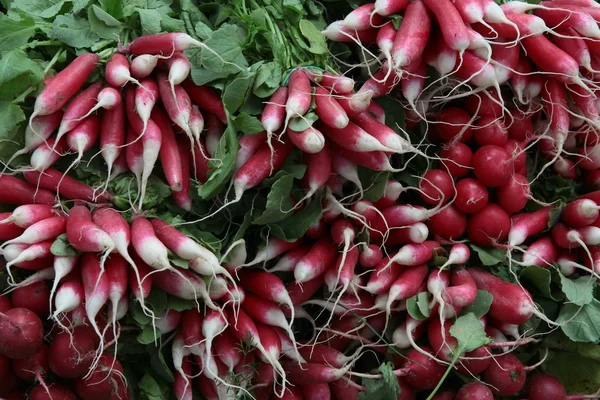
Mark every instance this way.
x=436 y=185
x=422 y=372
x=492 y=165
x=513 y=148
x=520 y=127
x=491 y=224
x=450 y=122
x=56 y=391
x=471 y=195
x=545 y=387
x=506 y=375
x=21 y=333
x=474 y=391
x=444 y=345
x=480 y=361
x=5 y=303
x=490 y=130
x=449 y=223
x=34 y=367
x=457 y=159
x=106 y=380
x=513 y=196
x=71 y=354
x=34 y=297
x=485 y=104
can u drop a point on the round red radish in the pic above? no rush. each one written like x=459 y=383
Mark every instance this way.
x=21 y=333
x=33 y=367
x=5 y=304
x=450 y=122
x=56 y=391
x=520 y=127
x=443 y=346
x=457 y=159
x=471 y=195
x=73 y=360
x=10 y=382
x=490 y=130
x=513 y=148
x=480 y=361
x=444 y=395
x=106 y=380
x=545 y=387
x=513 y=196
x=34 y=297
x=474 y=391
x=422 y=372
x=505 y=375
x=407 y=392
x=449 y=223
x=492 y=165
x=491 y=224
x=4 y=365
x=436 y=184
x=485 y=104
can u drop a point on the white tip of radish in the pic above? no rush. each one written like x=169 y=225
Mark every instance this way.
x=360 y=101
x=332 y=31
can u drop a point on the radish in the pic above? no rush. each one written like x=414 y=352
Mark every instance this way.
x=343 y=389
x=112 y=136
x=196 y=122
x=168 y=321
x=542 y=253
x=66 y=186
x=266 y=312
x=310 y=140
x=145 y=97
x=337 y=83
x=453 y=125
x=47 y=154
x=106 y=381
x=169 y=153
x=225 y=349
x=420 y=370
x=318 y=170
x=21 y=333
x=490 y=131
x=545 y=387
x=299 y=95
x=489 y=225
x=143 y=65
x=86 y=236
x=183 y=284
x=34 y=297
x=313 y=373
x=384 y=134
x=33 y=368
x=182 y=198
x=456 y=159
x=249 y=144
x=514 y=195
x=96 y=289
x=528 y=224
x=15 y=191
x=182 y=386
x=117 y=71
x=64 y=85
x=436 y=186
x=412 y=255
x=337 y=32
x=363 y=17
x=439 y=55
x=162 y=43
x=448 y=224
x=506 y=375
x=316 y=392
x=267 y=286
x=550 y=58
x=580 y=213
x=492 y=165
x=370 y=256
x=389 y=7
x=69 y=296
x=354 y=138
x=406 y=285
x=39 y=254
x=27 y=215
x=412 y=35
x=78 y=108
x=54 y=391
x=393 y=190
x=179 y=69
x=329 y=110
x=151 y=144
x=272 y=249
x=273 y=115
x=316 y=261
x=9 y=230
x=207 y=98
x=451 y=25
x=474 y=390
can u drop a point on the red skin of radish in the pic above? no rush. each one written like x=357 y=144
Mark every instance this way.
x=490 y=130
x=341 y=390
x=437 y=186
x=9 y=230
x=545 y=387
x=249 y=144
x=5 y=303
x=485 y=104
x=513 y=148
x=568 y=170
x=451 y=24
x=512 y=304
x=318 y=169
x=474 y=367
x=21 y=333
x=475 y=70
x=513 y=196
x=316 y=392
x=521 y=126
x=443 y=349
x=506 y=375
x=580 y=213
x=474 y=391
x=458 y=159
x=258 y=167
x=79 y=107
x=550 y=58
x=73 y=361
x=273 y=115
x=15 y=191
x=449 y=223
x=160 y=43
x=471 y=196
x=103 y=382
x=207 y=98
x=490 y=224
x=312 y=373
x=462 y=291
x=70 y=188
x=444 y=395
x=34 y=297
x=370 y=257
x=299 y=94
x=169 y=152
x=83 y=234
x=182 y=198
x=316 y=261
x=300 y=293
x=412 y=35
x=4 y=366
x=422 y=372
x=33 y=367
x=57 y=392
x=492 y=165
x=65 y=84
x=329 y=110
x=117 y=72
x=450 y=122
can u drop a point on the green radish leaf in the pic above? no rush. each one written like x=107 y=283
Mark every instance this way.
x=490 y=256
x=314 y=36
x=579 y=374
x=300 y=124
x=226 y=55
x=148 y=335
x=481 y=305
x=418 y=306
x=236 y=92
x=15 y=33
x=202 y=30
x=102 y=23
x=581 y=323
x=17 y=73
x=11 y=135
x=248 y=124
x=268 y=79
x=73 y=31
x=385 y=388
x=296 y=225
x=62 y=248
x=539 y=280
x=137 y=314
x=38 y=8
x=279 y=203
x=151 y=388
x=158 y=363
x=150 y=21
x=222 y=167
x=156 y=301
x=578 y=291
x=469 y=333
x=177 y=304
x=180 y=262
x=374 y=183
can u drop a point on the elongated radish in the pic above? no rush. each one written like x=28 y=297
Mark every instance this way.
x=310 y=140
x=143 y=65
x=86 y=236
x=406 y=285
x=329 y=110
x=412 y=35
x=354 y=138
x=8 y=229
x=96 y=288
x=78 y=108
x=69 y=296
x=337 y=83
x=146 y=96
x=318 y=170
x=48 y=153
x=363 y=17
x=550 y=58
x=179 y=69
x=162 y=43
x=151 y=143
x=64 y=85
x=196 y=123
x=117 y=71
x=316 y=261
x=207 y=98
x=112 y=135
x=338 y=32
x=182 y=198
x=411 y=255
x=27 y=215
x=580 y=213
x=451 y=24
x=170 y=157
x=46 y=229
x=83 y=136
x=36 y=253
x=273 y=115
x=15 y=191
x=299 y=95
x=176 y=102
x=69 y=188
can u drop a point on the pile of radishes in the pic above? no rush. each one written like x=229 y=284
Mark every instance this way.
x=296 y=319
